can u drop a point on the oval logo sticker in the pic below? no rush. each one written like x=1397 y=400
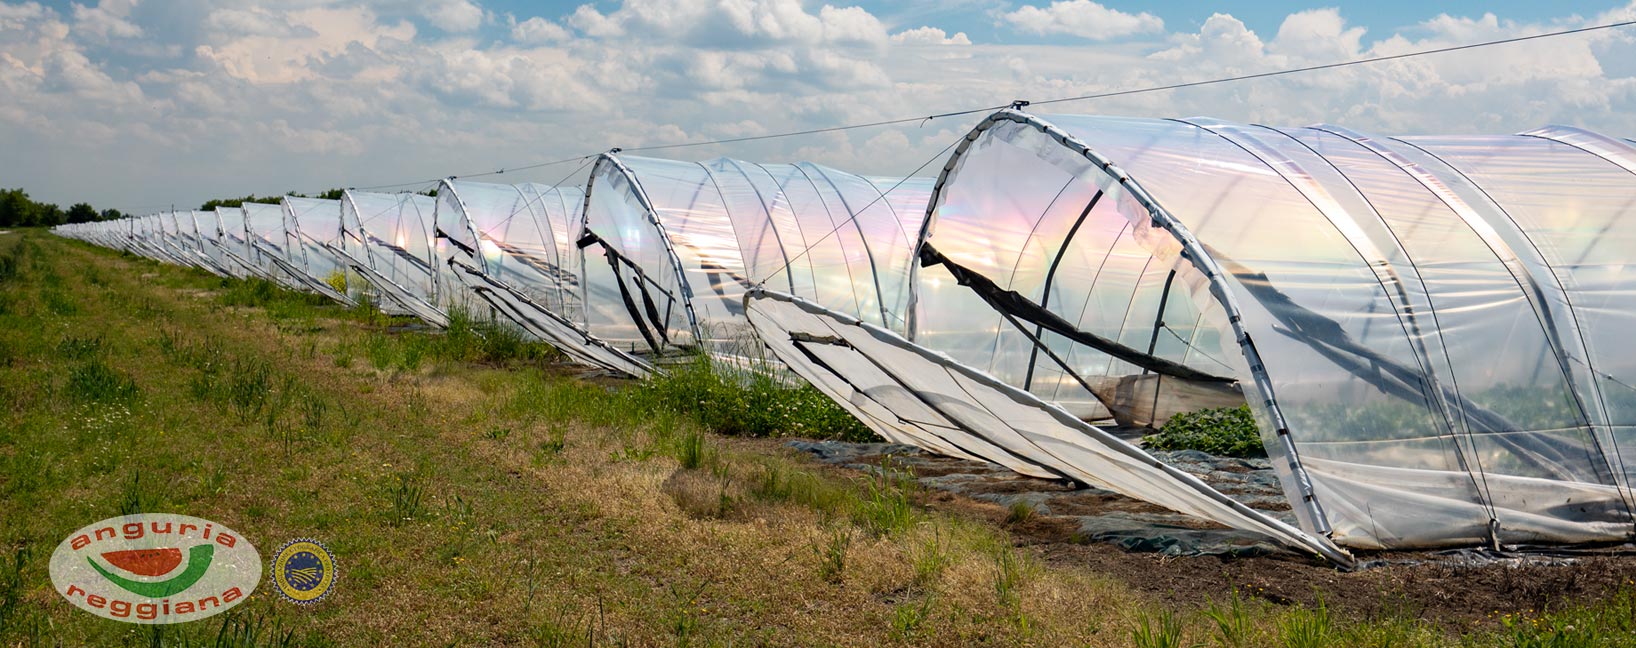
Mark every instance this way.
x=155 y=568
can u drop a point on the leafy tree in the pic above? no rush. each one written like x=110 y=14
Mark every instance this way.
x=48 y=214
x=329 y=194
x=15 y=208
x=236 y=202
x=81 y=213
x=110 y=214
x=18 y=210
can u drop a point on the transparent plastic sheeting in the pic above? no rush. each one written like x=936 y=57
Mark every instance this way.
x=190 y=240
x=669 y=247
x=234 y=241
x=882 y=377
x=205 y=235
x=312 y=237
x=264 y=225
x=509 y=249
x=1440 y=325
x=387 y=240
x=1431 y=331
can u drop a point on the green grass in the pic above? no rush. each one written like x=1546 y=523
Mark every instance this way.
x=477 y=494
x=750 y=403
x=1229 y=619
x=885 y=508
x=11 y=585
x=1160 y=630
x=1227 y=432
x=93 y=381
x=832 y=555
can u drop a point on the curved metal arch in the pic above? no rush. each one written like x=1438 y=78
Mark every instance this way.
x=852 y=219
x=1621 y=153
x=362 y=235
x=541 y=217
x=1532 y=274
x=429 y=234
x=1432 y=348
x=1542 y=277
x=527 y=204
x=766 y=211
x=447 y=184
x=226 y=242
x=366 y=266
x=569 y=256
x=244 y=220
x=291 y=219
x=1308 y=509
x=292 y=237
x=534 y=201
x=210 y=244
x=612 y=160
x=173 y=240
x=798 y=232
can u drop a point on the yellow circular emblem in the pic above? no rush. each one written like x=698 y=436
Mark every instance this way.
x=304 y=571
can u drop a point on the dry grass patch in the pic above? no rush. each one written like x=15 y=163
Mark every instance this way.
x=477 y=493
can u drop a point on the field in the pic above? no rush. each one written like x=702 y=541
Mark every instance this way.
x=479 y=492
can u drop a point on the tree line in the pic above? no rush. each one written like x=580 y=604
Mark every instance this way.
x=18 y=210
x=332 y=194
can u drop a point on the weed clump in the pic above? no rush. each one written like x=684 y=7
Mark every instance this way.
x=405 y=498
x=338 y=281
x=1162 y=630
x=750 y=403
x=1226 y=432
x=11 y=584
x=832 y=555
x=250 y=292
x=94 y=381
x=468 y=339
x=78 y=348
x=884 y=509
x=8 y=265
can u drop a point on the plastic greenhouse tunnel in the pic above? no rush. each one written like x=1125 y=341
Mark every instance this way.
x=505 y=249
x=1424 y=328
x=670 y=247
x=312 y=233
x=386 y=240
x=1431 y=332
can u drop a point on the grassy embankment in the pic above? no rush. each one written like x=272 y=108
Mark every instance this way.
x=478 y=494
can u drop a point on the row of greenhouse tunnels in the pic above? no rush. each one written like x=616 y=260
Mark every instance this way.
x=1433 y=334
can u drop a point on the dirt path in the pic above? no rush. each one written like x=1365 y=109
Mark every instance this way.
x=1459 y=591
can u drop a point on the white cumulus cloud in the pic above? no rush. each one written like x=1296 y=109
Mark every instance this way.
x=108 y=19
x=269 y=96
x=1082 y=18
x=538 y=30
x=929 y=36
x=456 y=16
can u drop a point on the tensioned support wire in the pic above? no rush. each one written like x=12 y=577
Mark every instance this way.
x=923 y=119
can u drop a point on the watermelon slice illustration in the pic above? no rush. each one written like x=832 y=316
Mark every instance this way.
x=198 y=562
x=145 y=562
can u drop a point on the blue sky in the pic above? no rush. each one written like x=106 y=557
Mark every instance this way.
x=141 y=103
x=976 y=17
